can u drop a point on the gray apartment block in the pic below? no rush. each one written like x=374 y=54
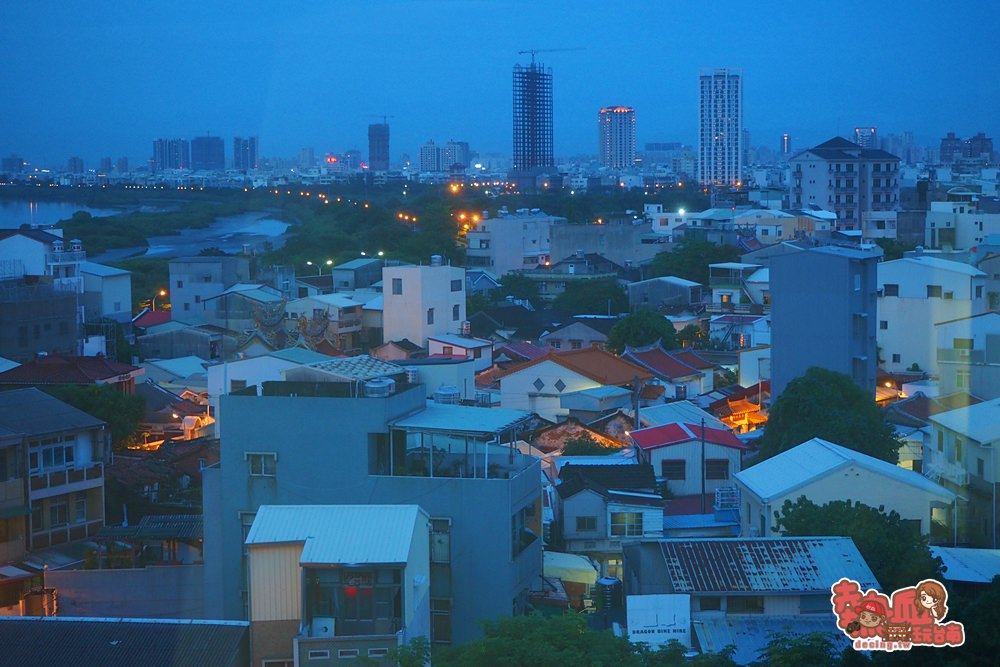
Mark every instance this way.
x=195 y=279
x=290 y=447
x=823 y=314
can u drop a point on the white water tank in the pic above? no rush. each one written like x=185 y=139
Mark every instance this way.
x=447 y=394
x=380 y=387
x=435 y=260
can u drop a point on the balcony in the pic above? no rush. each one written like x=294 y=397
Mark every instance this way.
x=59 y=478
x=940 y=470
x=738 y=308
x=68 y=257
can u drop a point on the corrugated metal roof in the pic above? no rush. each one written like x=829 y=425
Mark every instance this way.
x=749 y=634
x=462 y=419
x=123 y=642
x=95 y=269
x=361 y=367
x=654 y=437
x=299 y=355
x=972 y=565
x=785 y=565
x=678 y=411
x=816 y=458
x=180 y=366
x=340 y=534
x=980 y=422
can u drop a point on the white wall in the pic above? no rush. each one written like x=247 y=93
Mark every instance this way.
x=29 y=252
x=908 y=317
x=853 y=483
x=690 y=452
x=423 y=287
x=517 y=391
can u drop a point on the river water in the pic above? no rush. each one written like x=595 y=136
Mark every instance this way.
x=230 y=234
x=14 y=213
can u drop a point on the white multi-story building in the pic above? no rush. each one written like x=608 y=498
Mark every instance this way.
x=918 y=291
x=959 y=223
x=840 y=176
x=510 y=242
x=616 y=127
x=720 y=123
x=422 y=301
x=968 y=355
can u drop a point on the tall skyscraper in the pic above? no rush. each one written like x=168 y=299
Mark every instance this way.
x=171 y=154
x=378 y=147
x=532 y=117
x=121 y=165
x=616 y=130
x=430 y=157
x=245 y=153
x=720 y=127
x=105 y=165
x=865 y=137
x=208 y=154
x=786 y=144
x=75 y=165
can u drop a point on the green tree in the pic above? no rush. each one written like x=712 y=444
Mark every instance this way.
x=517 y=286
x=826 y=404
x=536 y=641
x=585 y=446
x=106 y=402
x=475 y=303
x=690 y=259
x=782 y=650
x=692 y=336
x=896 y=552
x=642 y=327
x=602 y=296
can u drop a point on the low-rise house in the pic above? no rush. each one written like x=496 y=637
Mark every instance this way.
x=398 y=350
x=65 y=452
x=731 y=291
x=538 y=385
x=683 y=373
x=962 y=457
x=741 y=591
x=824 y=472
x=336 y=582
x=552 y=280
x=665 y=291
x=676 y=452
x=971 y=570
x=52 y=369
x=454 y=345
x=602 y=507
x=737 y=332
x=335 y=318
x=910 y=418
x=589 y=404
x=107 y=292
x=581 y=332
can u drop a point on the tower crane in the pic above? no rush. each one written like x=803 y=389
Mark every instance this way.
x=534 y=51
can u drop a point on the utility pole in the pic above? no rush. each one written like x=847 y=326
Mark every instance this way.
x=702 y=465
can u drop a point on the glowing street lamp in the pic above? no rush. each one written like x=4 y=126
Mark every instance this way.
x=162 y=292
x=319 y=266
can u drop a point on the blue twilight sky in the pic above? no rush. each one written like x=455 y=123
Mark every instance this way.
x=106 y=78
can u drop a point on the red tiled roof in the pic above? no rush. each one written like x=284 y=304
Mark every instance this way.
x=660 y=362
x=57 y=369
x=666 y=435
x=693 y=359
x=152 y=318
x=591 y=362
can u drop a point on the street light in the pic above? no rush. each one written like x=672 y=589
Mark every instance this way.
x=319 y=266
x=162 y=292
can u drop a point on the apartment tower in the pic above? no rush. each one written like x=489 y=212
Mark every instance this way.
x=720 y=127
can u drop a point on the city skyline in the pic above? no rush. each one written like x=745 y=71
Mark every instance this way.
x=99 y=90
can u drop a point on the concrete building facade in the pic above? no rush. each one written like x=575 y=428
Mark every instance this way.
x=422 y=301
x=824 y=314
